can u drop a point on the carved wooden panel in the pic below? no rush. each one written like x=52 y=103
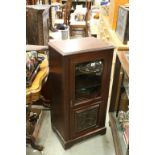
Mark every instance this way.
x=86 y=118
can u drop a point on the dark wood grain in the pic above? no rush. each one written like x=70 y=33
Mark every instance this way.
x=66 y=113
x=37 y=24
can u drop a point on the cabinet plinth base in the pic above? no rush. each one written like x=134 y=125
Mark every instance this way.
x=67 y=144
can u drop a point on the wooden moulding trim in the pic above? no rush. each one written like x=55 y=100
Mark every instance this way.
x=67 y=144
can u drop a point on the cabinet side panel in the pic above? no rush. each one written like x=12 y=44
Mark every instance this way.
x=32 y=27
x=108 y=56
x=45 y=27
x=56 y=89
x=40 y=28
x=66 y=96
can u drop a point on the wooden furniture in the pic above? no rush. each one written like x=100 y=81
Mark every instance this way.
x=64 y=11
x=31 y=2
x=67 y=11
x=49 y=2
x=79 y=85
x=77 y=2
x=76 y=24
x=113 y=11
x=33 y=93
x=119 y=111
x=37 y=24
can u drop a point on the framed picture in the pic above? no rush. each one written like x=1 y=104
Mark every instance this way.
x=122 y=27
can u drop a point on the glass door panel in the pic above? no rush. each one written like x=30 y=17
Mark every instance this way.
x=88 y=79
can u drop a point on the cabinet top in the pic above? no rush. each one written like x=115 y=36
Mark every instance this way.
x=77 y=46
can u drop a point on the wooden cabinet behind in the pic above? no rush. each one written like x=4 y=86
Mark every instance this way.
x=80 y=75
x=119 y=104
x=37 y=24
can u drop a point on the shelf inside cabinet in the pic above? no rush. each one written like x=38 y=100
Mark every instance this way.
x=87 y=86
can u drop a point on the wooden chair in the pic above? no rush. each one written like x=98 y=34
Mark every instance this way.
x=66 y=10
x=33 y=94
x=84 y=24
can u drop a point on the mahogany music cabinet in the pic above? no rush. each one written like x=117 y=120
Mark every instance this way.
x=79 y=85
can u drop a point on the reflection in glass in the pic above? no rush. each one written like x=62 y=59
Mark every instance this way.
x=88 y=76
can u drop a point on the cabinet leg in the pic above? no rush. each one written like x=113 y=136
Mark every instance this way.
x=46 y=103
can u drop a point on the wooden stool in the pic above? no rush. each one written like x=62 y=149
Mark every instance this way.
x=33 y=93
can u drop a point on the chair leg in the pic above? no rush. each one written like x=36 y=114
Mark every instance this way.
x=31 y=140
x=70 y=31
x=30 y=129
x=86 y=32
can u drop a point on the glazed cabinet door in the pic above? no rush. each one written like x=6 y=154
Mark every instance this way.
x=86 y=81
x=89 y=78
